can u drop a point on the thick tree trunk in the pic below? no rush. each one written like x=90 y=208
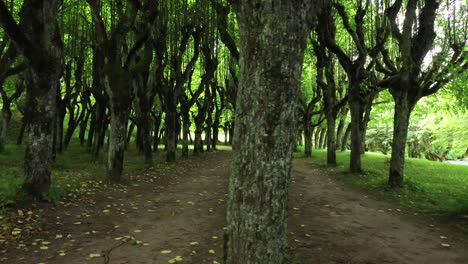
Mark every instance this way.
x=272 y=48
x=198 y=142
x=100 y=128
x=45 y=59
x=117 y=143
x=171 y=134
x=356 y=136
x=400 y=134
x=41 y=111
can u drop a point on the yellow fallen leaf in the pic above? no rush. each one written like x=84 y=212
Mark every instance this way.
x=445 y=245
x=193 y=243
x=58 y=236
x=20 y=213
x=44 y=248
x=94 y=255
x=62 y=254
x=211 y=251
x=166 y=251
x=137 y=231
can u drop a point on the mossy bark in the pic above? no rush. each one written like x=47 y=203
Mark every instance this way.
x=273 y=39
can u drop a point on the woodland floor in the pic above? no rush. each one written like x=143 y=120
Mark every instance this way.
x=177 y=214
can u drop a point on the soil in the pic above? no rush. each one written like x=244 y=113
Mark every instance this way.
x=176 y=214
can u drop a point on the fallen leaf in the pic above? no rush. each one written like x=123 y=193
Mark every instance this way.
x=94 y=255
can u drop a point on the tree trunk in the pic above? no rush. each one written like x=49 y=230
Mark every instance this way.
x=128 y=138
x=170 y=123
x=117 y=143
x=185 y=133
x=156 y=134
x=6 y=118
x=41 y=111
x=308 y=132
x=198 y=142
x=61 y=112
x=317 y=138
x=321 y=142
x=339 y=133
x=273 y=40
x=45 y=58
x=24 y=124
x=344 y=141
x=401 y=118
x=331 y=141
x=356 y=134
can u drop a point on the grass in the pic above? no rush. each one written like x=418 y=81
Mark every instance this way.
x=431 y=188
x=71 y=169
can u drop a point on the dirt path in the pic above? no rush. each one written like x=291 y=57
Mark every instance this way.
x=178 y=213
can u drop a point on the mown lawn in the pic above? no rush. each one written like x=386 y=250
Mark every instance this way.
x=431 y=188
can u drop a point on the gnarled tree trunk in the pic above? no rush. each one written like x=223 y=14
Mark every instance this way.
x=273 y=40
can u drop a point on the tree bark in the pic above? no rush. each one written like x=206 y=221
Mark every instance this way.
x=317 y=138
x=308 y=132
x=403 y=108
x=43 y=50
x=331 y=140
x=344 y=141
x=273 y=40
x=356 y=136
x=170 y=124
x=6 y=118
x=185 y=134
x=339 y=133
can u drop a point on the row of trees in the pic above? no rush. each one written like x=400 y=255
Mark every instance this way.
x=168 y=68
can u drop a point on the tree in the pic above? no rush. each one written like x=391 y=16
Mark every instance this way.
x=38 y=39
x=119 y=69
x=406 y=77
x=272 y=39
x=358 y=67
x=7 y=69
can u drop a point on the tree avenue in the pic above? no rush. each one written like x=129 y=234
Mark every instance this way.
x=163 y=81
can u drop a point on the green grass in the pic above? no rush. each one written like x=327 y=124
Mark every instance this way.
x=71 y=169
x=431 y=188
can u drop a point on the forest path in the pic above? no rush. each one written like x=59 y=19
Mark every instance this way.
x=177 y=214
